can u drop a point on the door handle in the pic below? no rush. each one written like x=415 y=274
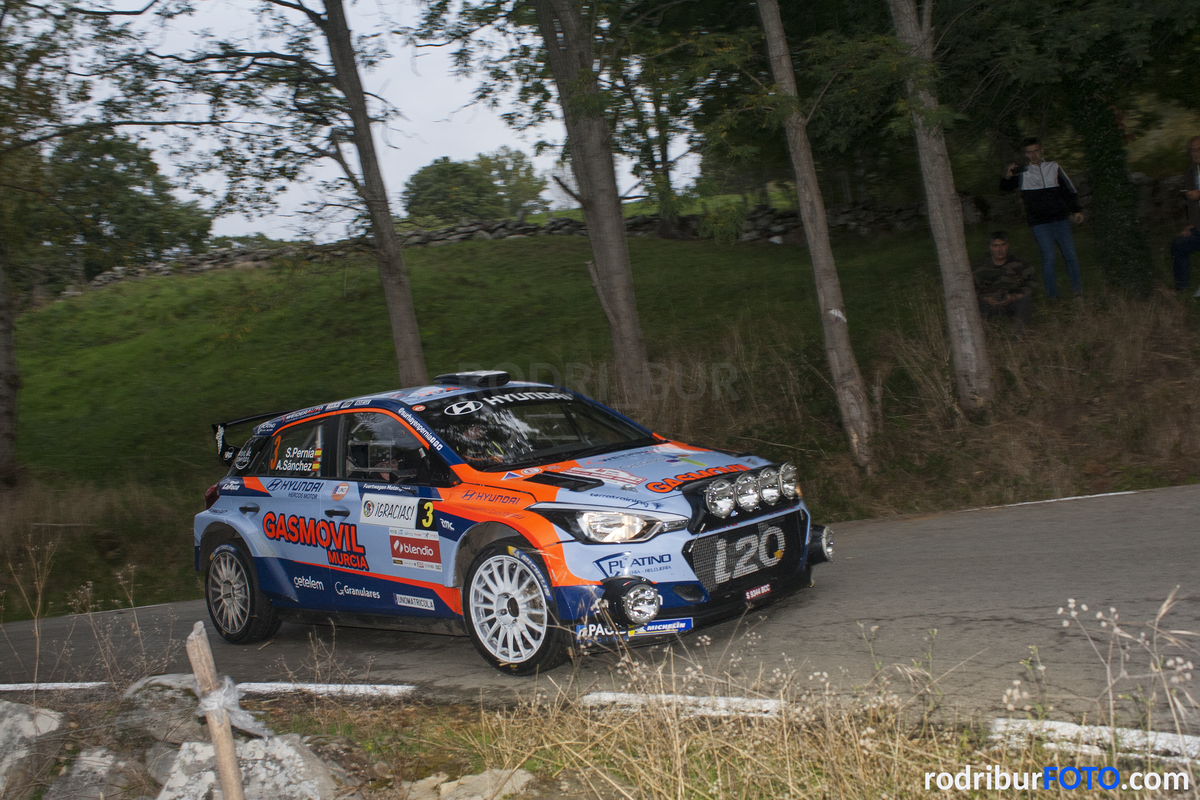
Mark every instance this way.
x=337 y=512
x=249 y=508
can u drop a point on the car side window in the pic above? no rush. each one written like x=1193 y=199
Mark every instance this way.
x=379 y=448
x=294 y=452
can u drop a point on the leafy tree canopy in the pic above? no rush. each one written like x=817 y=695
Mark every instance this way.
x=448 y=190
x=513 y=175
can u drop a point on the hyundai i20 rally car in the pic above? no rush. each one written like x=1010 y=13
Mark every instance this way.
x=527 y=516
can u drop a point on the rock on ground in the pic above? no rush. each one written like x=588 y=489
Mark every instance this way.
x=28 y=741
x=163 y=708
x=98 y=773
x=281 y=768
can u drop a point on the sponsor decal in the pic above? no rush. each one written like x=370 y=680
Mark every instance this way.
x=606 y=474
x=338 y=540
x=447 y=524
x=508 y=476
x=642 y=565
x=340 y=491
x=670 y=484
x=490 y=497
x=243 y=457
x=267 y=427
x=292 y=485
x=463 y=408
x=219 y=510
x=403 y=512
x=516 y=397
x=231 y=485
x=302 y=413
x=662 y=627
x=385 y=488
x=362 y=402
x=604 y=631
x=531 y=470
x=420 y=428
x=343 y=589
x=758 y=591
x=520 y=555
x=416 y=549
x=408 y=601
x=418 y=408
x=305 y=582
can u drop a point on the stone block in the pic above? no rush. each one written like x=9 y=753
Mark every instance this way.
x=163 y=708
x=281 y=768
x=29 y=739
x=98 y=773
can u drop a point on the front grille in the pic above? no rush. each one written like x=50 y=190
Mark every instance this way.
x=748 y=554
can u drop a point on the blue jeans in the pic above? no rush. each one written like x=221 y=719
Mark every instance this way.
x=1047 y=235
x=1181 y=256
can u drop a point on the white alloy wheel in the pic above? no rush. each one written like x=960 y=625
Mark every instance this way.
x=228 y=593
x=508 y=610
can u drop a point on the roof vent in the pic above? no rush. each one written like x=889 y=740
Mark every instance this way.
x=483 y=378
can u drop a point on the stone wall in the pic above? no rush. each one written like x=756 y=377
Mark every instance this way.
x=1158 y=200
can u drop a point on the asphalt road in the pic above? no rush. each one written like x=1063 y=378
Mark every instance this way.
x=988 y=581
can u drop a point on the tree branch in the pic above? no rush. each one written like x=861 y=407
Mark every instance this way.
x=568 y=190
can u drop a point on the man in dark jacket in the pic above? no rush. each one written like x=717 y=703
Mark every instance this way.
x=1050 y=200
x=1188 y=241
x=1004 y=283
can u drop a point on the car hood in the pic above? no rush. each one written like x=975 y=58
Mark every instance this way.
x=644 y=477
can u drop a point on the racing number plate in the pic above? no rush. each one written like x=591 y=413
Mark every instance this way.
x=722 y=559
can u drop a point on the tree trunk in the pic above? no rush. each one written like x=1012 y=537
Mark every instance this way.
x=10 y=382
x=847 y=379
x=569 y=49
x=397 y=292
x=968 y=349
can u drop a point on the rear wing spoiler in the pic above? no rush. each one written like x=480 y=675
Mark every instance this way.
x=227 y=451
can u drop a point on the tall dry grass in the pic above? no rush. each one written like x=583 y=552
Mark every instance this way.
x=129 y=544
x=1097 y=395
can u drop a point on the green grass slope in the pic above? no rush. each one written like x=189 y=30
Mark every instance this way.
x=123 y=382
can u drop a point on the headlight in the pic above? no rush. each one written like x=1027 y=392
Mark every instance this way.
x=718 y=497
x=787 y=481
x=768 y=486
x=614 y=526
x=641 y=603
x=745 y=489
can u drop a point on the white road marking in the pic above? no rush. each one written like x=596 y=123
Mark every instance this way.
x=50 y=687
x=339 y=689
x=1097 y=739
x=690 y=706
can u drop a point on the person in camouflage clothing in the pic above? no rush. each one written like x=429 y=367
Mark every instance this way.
x=1004 y=283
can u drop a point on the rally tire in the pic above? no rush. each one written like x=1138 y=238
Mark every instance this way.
x=507 y=613
x=239 y=609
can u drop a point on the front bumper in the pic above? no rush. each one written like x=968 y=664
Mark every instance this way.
x=724 y=586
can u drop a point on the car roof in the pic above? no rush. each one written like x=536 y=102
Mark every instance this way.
x=390 y=398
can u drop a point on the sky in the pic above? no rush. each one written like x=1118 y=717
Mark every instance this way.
x=439 y=118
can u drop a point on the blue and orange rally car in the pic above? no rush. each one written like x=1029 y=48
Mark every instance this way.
x=536 y=519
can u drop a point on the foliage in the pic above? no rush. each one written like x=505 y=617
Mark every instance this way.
x=448 y=190
x=516 y=182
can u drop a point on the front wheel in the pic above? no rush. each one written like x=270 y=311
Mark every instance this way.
x=508 y=612
x=240 y=610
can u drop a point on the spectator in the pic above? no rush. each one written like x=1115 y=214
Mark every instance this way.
x=1188 y=241
x=1004 y=283
x=1050 y=200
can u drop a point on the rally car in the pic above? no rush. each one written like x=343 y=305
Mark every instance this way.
x=529 y=517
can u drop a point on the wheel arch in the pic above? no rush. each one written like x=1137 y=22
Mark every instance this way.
x=270 y=574
x=475 y=540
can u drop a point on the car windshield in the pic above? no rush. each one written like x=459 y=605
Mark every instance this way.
x=506 y=428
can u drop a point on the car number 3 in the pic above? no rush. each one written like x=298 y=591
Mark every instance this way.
x=752 y=552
